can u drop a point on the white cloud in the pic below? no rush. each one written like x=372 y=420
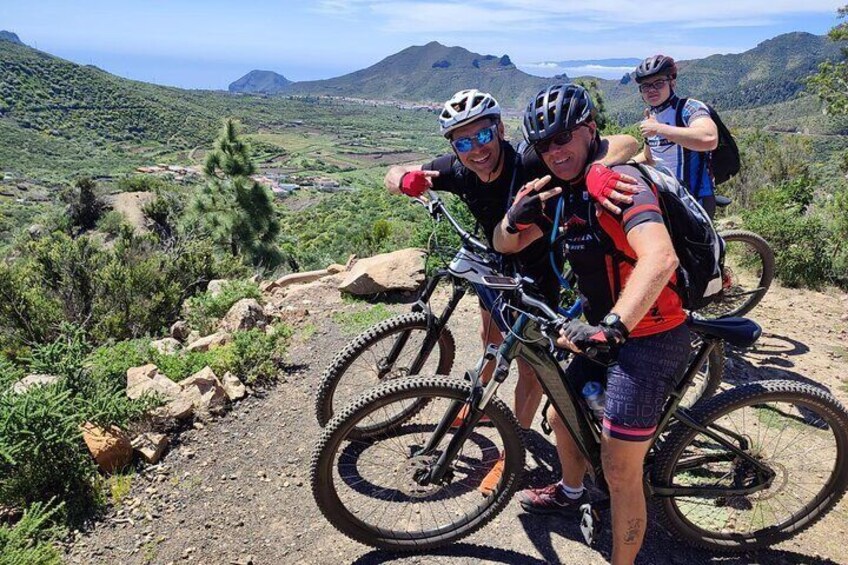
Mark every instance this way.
x=533 y=15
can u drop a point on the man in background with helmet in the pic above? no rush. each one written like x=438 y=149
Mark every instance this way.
x=484 y=170
x=682 y=146
x=629 y=305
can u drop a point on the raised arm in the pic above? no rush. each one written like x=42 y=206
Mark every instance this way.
x=700 y=135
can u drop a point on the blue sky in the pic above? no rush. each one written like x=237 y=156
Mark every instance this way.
x=209 y=44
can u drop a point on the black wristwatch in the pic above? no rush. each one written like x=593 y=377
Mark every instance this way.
x=613 y=321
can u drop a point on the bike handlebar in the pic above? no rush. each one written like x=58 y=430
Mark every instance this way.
x=437 y=209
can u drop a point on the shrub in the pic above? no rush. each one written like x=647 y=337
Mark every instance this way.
x=64 y=356
x=253 y=355
x=39 y=431
x=109 y=363
x=112 y=223
x=28 y=541
x=204 y=310
x=783 y=217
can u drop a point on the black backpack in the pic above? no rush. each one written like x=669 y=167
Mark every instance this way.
x=699 y=248
x=724 y=159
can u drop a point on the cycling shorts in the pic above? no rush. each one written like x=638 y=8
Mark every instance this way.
x=639 y=383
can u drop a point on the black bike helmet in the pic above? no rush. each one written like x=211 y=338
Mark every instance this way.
x=656 y=65
x=557 y=108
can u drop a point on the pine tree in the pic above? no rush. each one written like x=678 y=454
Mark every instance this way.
x=234 y=209
x=831 y=82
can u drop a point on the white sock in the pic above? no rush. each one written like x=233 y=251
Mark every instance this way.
x=572 y=493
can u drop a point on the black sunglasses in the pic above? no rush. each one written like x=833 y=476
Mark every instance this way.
x=560 y=139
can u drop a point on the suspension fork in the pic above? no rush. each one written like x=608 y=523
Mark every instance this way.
x=434 y=326
x=481 y=395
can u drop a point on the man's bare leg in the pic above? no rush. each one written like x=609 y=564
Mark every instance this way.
x=623 y=463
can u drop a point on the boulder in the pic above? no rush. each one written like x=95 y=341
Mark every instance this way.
x=166 y=346
x=180 y=330
x=35 y=231
x=335 y=268
x=233 y=386
x=208 y=342
x=399 y=270
x=205 y=392
x=110 y=448
x=178 y=409
x=30 y=381
x=270 y=310
x=150 y=446
x=245 y=314
x=147 y=378
x=215 y=286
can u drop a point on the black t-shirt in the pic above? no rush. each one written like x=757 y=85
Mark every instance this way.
x=488 y=203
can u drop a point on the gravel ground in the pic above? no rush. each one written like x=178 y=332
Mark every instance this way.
x=237 y=491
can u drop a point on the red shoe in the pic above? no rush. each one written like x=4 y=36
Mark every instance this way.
x=550 y=500
x=463 y=414
x=493 y=477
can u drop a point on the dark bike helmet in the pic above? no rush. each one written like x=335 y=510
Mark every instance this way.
x=557 y=108
x=656 y=65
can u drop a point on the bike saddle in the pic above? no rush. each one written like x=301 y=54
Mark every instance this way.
x=739 y=332
x=722 y=201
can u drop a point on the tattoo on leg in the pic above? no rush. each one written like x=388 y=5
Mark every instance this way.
x=634 y=528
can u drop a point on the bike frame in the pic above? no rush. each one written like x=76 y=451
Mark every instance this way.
x=523 y=341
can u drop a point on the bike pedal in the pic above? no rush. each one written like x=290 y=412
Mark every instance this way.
x=590 y=524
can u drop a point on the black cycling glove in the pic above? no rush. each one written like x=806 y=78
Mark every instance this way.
x=527 y=210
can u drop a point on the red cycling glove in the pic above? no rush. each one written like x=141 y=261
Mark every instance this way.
x=601 y=181
x=414 y=183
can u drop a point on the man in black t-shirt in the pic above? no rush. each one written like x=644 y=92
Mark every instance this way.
x=482 y=171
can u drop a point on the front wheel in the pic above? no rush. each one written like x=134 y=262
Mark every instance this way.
x=748 y=273
x=797 y=431
x=375 y=490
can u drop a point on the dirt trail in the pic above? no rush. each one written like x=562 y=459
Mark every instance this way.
x=237 y=490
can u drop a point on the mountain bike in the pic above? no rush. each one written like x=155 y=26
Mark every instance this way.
x=748 y=468
x=420 y=343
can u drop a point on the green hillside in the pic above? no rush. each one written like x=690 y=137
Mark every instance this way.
x=770 y=73
x=431 y=73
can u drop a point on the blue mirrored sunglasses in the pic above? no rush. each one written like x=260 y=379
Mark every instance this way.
x=483 y=136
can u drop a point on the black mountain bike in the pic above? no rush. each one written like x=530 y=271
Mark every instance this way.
x=746 y=469
x=420 y=343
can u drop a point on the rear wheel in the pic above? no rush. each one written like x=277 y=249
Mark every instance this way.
x=748 y=273
x=798 y=431
x=373 y=489
x=366 y=362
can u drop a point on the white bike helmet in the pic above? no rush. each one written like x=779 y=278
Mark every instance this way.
x=466 y=106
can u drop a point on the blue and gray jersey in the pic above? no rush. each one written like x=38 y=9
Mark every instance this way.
x=691 y=167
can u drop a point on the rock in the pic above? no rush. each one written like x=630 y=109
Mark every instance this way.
x=180 y=330
x=193 y=336
x=205 y=392
x=110 y=448
x=335 y=268
x=166 y=346
x=216 y=286
x=399 y=270
x=296 y=278
x=844 y=317
x=245 y=314
x=178 y=409
x=271 y=311
x=150 y=446
x=208 y=342
x=233 y=386
x=30 y=381
x=147 y=378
